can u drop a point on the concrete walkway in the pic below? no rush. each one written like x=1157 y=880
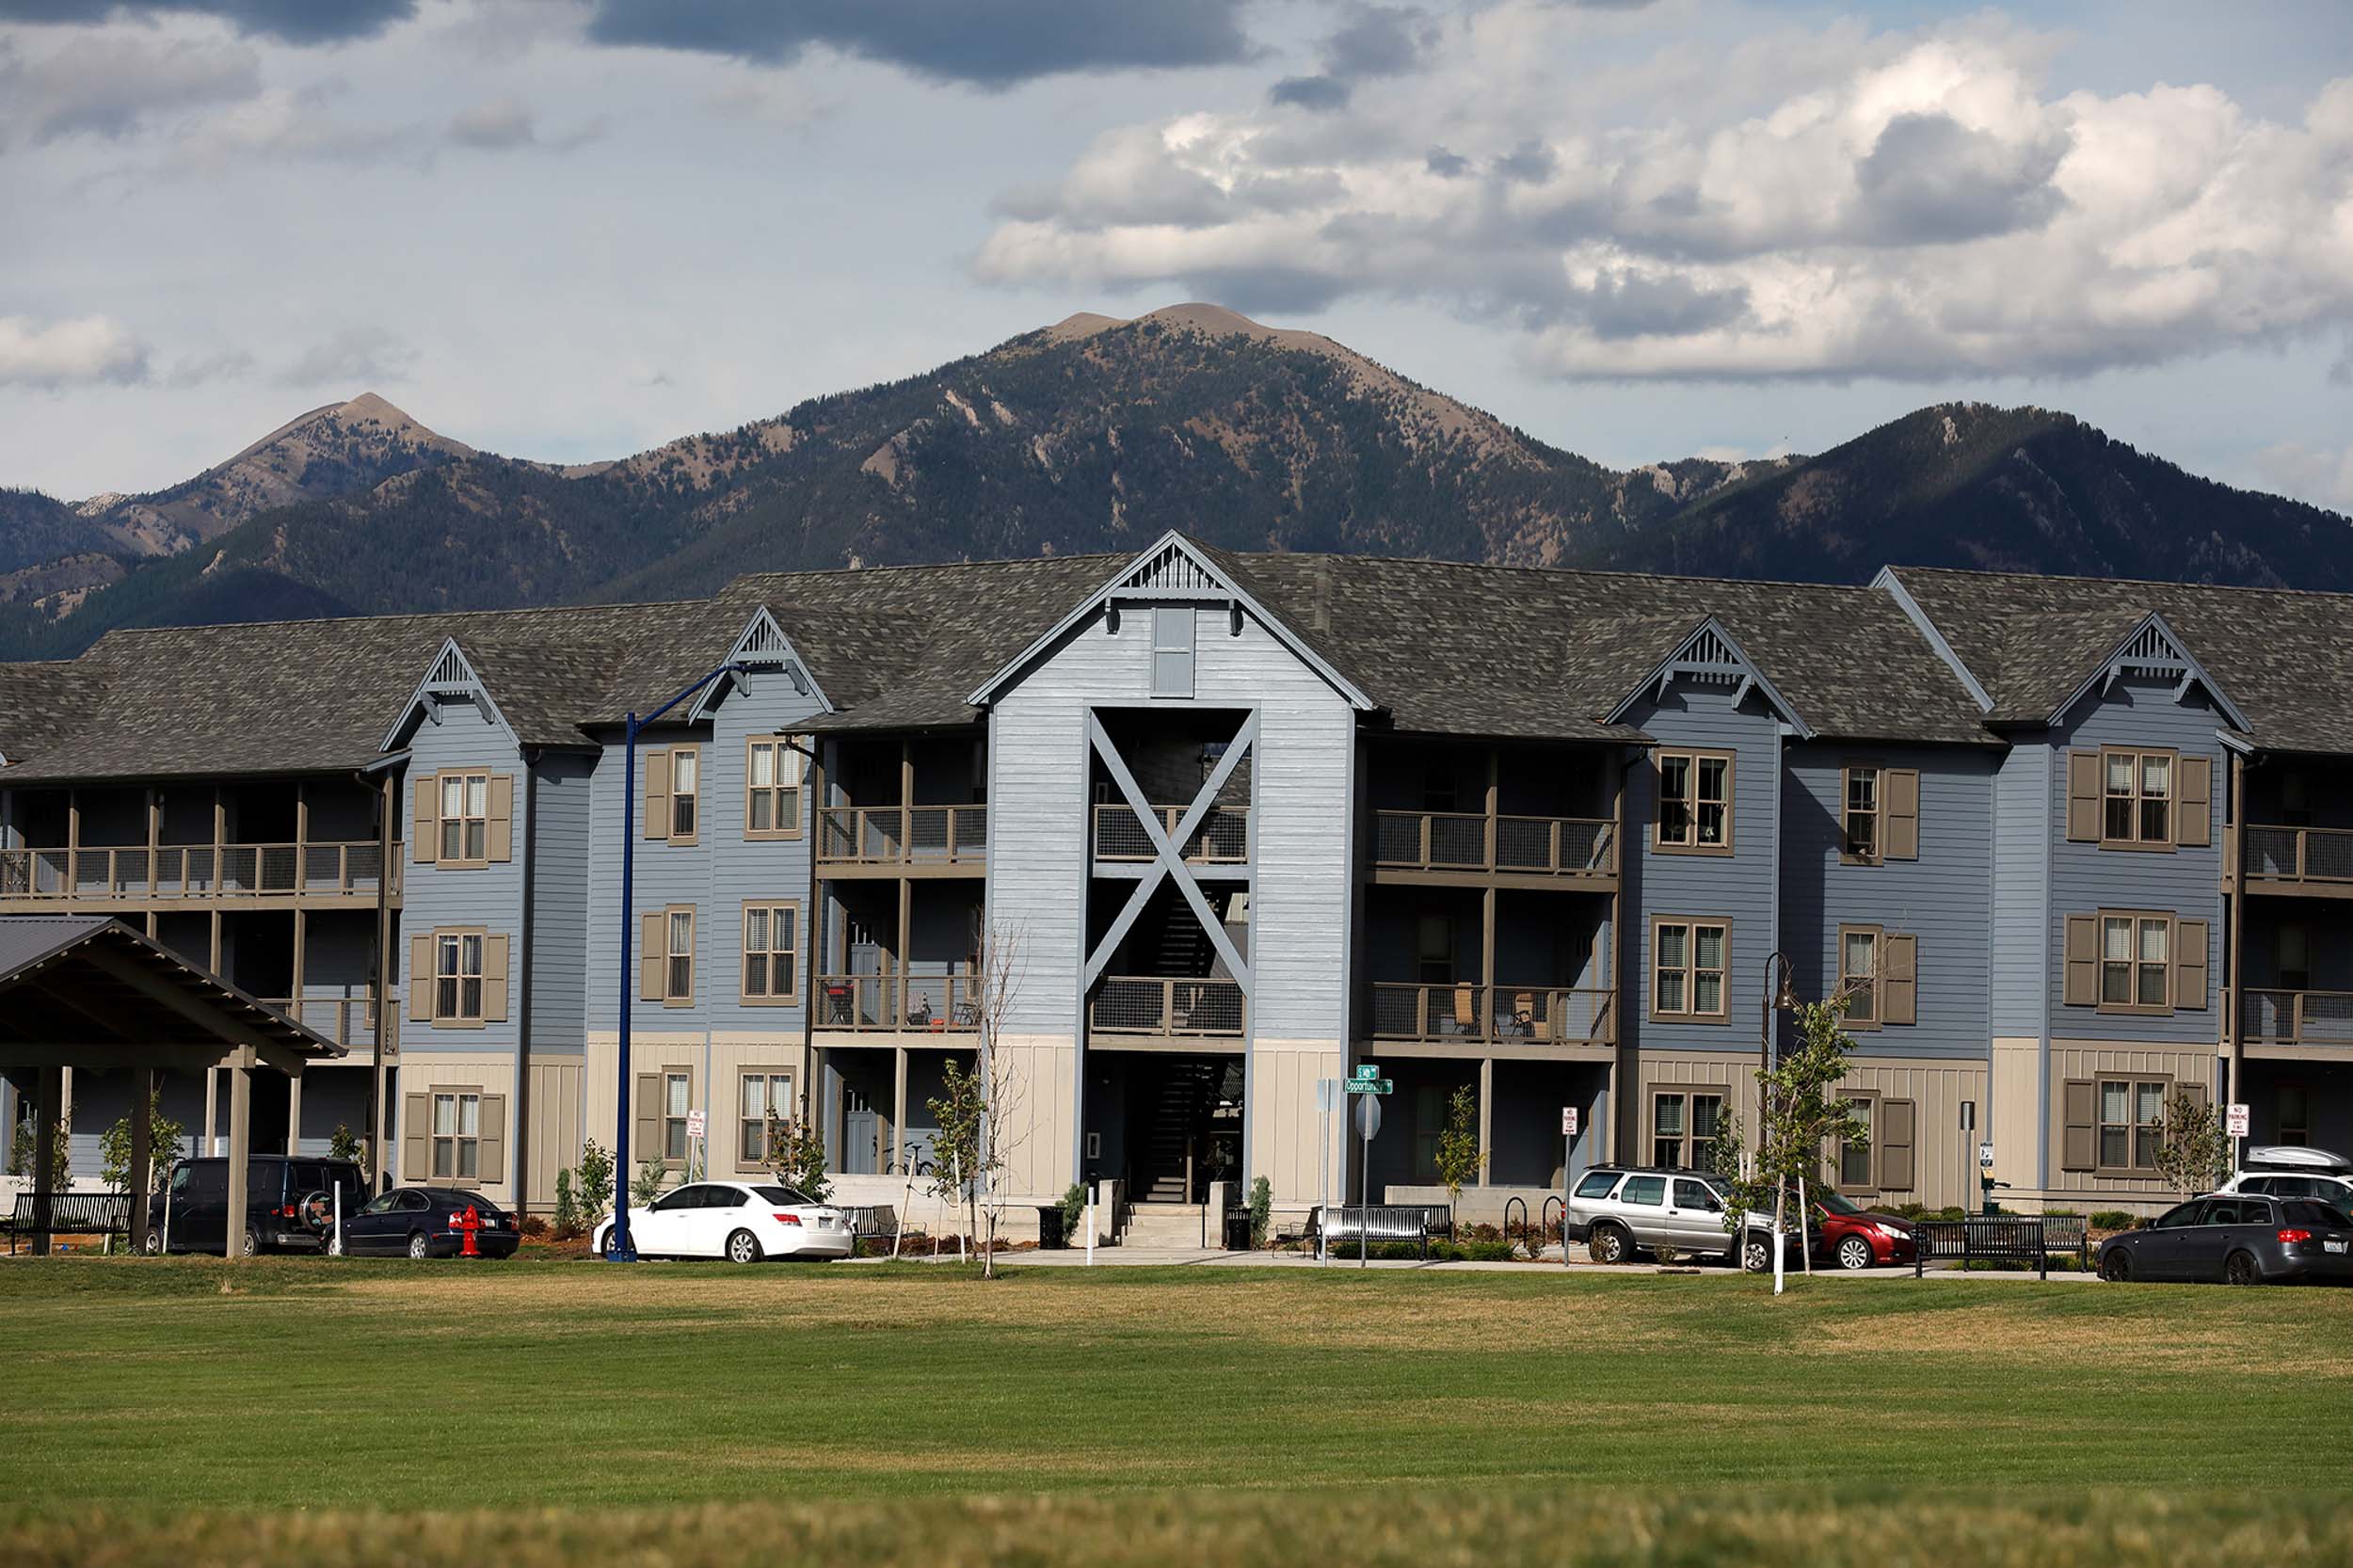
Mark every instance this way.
x=1164 y=1258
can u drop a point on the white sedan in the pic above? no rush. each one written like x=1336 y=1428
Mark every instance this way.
x=741 y=1222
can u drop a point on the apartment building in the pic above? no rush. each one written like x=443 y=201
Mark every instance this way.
x=1184 y=833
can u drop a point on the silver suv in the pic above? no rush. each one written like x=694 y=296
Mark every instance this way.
x=1618 y=1211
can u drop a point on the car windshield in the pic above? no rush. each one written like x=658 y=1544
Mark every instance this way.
x=784 y=1197
x=1836 y=1202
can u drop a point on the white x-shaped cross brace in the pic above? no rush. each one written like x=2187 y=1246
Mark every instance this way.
x=1168 y=861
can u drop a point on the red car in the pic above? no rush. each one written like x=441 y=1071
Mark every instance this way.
x=1859 y=1239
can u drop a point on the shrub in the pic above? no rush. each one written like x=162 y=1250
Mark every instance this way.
x=592 y=1187
x=1261 y=1212
x=2115 y=1219
x=534 y=1225
x=1440 y=1252
x=346 y=1144
x=566 y=1206
x=1074 y=1213
x=647 y=1185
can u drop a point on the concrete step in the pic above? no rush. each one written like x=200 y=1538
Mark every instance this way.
x=1162 y=1225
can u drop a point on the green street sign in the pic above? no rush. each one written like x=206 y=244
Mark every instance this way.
x=1366 y=1070
x=1370 y=1086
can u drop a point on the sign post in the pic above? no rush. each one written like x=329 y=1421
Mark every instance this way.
x=1367 y=1124
x=1968 y=1125
x=1327 y=1102
x=1568 y=1146
x=2240 y=1120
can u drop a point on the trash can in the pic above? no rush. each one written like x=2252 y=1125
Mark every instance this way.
x=1238 y=1230
x=1049 y=1233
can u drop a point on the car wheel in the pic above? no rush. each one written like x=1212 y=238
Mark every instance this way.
x=2116 y=1264
x=608 y=1247
x=2239 y=1268
x=1854 y=1253
x=743 y=1247
x=153 y=1243
x=417 y=1245
x=252 y=1245
x=1607 y=1245
x=1756 y=1253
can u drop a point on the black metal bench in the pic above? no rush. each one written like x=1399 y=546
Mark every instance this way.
x=1383 y=1221
x=70 y=1213
x=2001 y=1238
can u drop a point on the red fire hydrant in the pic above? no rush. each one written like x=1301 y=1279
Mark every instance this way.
x=466 y=1225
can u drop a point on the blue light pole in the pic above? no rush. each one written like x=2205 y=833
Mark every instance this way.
x=619 y=1246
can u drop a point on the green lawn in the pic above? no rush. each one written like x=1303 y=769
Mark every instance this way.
x=139 y=1388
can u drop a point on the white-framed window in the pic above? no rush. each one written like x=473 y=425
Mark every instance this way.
x=1859 y=971
x=678 y=1093
x=1688 y=967
x=1171 y=649
x=457 y=976
x=772 y=937
x=464 y=819
x=1683 y=1124
x=772 y=788
x=1695 y=803
x=685 y=791
x=2136 y=962
x=2136 y=797
x=1863 y=814
x=679 y=955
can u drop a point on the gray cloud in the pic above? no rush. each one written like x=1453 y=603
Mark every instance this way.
x=355 y=359
x=488 y=127
x=1929 y=179
x=1372 y=41
x=990 y=46
x=1628 y=305
x=1446 y=164
x=229 y=364
x=106 y=85
x=1315 y=93
x=288 y=21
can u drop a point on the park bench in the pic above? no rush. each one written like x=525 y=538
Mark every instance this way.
x=80 y=1213
x=1384 y=1221
x=2001 y=1238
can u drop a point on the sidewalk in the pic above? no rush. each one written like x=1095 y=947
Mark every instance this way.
x=1164 y=1258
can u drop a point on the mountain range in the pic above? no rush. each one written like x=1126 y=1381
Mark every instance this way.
x=1099 y=434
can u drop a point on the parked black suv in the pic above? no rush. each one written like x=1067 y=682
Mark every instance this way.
x=289 y=1203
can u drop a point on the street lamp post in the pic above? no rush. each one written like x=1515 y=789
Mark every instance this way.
x=1769 y=1002
x=620 y=1247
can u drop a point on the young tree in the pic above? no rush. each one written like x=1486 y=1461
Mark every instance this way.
x=163 y=1137
x=1800 y=1116
x=796 y=1153
x=979 y=1113
x=647 y=1184
x=347 y=1144
x=1458 y=1155
x=2193 y=1155
x=22 y=1150
x=592 y=1184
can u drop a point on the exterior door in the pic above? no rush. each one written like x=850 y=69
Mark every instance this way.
x=1695 y=1216
x=722 y=1213
x=668 y=1227
x=2175 y=1243
x=1643 y=1202
x=365 y=1232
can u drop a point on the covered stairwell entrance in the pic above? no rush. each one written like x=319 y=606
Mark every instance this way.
x=1165 y=1127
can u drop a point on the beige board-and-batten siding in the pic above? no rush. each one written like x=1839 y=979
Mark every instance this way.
x=550 y=1126
x=1283 y=1121
x=713 y=1067
x=1038 y=1075
x=491 y=1074
x=2093 y=1059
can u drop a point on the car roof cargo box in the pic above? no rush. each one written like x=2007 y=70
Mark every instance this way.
x=2294 y=1157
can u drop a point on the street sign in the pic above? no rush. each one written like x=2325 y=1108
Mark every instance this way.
x=2239 y=1121
x=1367 y=1069
x=1368 y=1117
x=1568 y=1121
x=1985 y=1155
x=1370 y=1086
x=694 y=1124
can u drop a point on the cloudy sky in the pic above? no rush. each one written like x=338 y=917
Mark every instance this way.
x=569 y=229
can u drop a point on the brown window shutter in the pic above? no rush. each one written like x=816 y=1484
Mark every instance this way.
x=493 y=980
x=1901 y=788
x=1899 y=1122
x=416 y=1159
x=650 y=953
x=2200 y=1095
x=420 y=979
x=425 y=822
x=2083 y=961
x=2075 y=1122
x=490 y=1163
x=2189 y=964
x=657 y=791
x=2083 y=797
x=500 y=829
x=2193 y=819
x=1899 y=979
x=648 y=1133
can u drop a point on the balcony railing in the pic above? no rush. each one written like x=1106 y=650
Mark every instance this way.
x=1509 y=1015
x=1166 y=1006
x=2300 y=854
x=917 y=1003
x=902 y=835
x=2297 y=1017
x=195 y=871
x=1223 y=838
x=345 y=1020
x=1470 y=841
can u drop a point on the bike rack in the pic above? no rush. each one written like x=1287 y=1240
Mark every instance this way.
x=1545 y=1220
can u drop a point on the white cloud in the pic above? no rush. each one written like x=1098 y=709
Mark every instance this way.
x=80 y=352
x=2316 y=474
x=112 y=84
x=355 y=359
x=507 y=123
x=1907 y=204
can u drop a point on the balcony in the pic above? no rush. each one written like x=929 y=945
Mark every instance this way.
x=1467 y=847
x=1467 y=1014
x=1154 y=1006
x=250 y=874
x=2312 y=861
x=897 y=1004
x=903 y=841
x=1222 y=840
x=2276 y=1017
x=345 y=1020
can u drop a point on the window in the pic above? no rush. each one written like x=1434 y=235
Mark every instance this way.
x=1437 y=785
x=1695 y=803
x=1648 y=1191
x=457 y=976
x=1171 y=649
x=685 y=769
x=465 y=817
x=679 y=983
x=772 y=789
x=2131 y=1112
x=457 y=1135
x=1683 y=1124
x=1596 y=1184
x=2135 y=969
x=1433 y=950
x=2295 y=1120
x=677 y=1092
x=2136 y=797
x=772 y=953
x=666 y=960
x=1863 y=815
x=1859 y=971
x=1854 y=1155
x=2296 y=958
x=1687 y=968
x=2296 y=798
x=763 y=1103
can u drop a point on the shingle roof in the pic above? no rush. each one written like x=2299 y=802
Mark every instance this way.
x=2281 y=655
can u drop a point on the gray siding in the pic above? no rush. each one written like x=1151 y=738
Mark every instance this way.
x=560 y=938
x=2022 y=802
x=490 y=897
x=1942 y=897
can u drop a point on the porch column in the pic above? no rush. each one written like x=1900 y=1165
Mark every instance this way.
x=294 y=1114
x=142 y=1151
x=240 y=1153
x=73 y=844
x=899 y=953
x=2234 y=1012
x=212 y=1112
x=154 y=841
x=1486 y=1114
x=899 y=1104
x=48 y=1095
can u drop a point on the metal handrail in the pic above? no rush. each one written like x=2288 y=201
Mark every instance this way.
x=2299 y=854
x=902 y=835
x=937 y=1004
x=1167 y=1005
x=2279 y=1017
x=1512 y=1014
x=1221 y=837
x=1471 y=841
x=347 y=1021
x=338 y=870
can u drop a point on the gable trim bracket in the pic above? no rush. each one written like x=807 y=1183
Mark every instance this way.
x=761 y=648
x=450 y=675
x=1710 y=654
x=1172 y=569
x=2153 y=647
